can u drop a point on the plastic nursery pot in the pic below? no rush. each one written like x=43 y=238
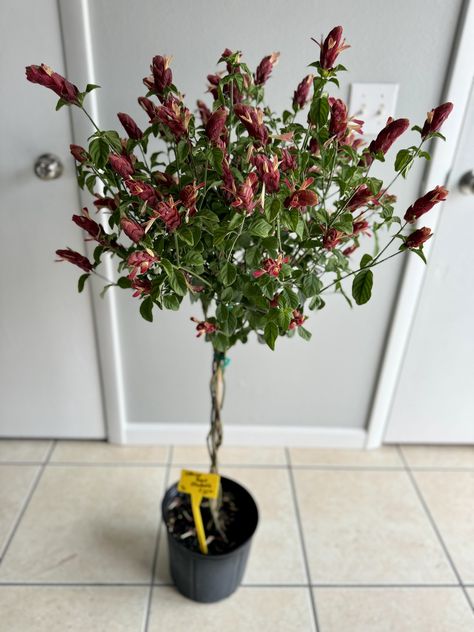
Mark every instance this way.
x=209 y=578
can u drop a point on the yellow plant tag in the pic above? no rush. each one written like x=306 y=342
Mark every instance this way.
x=199 y=485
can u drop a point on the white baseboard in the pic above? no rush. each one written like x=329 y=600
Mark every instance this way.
x=242 y=435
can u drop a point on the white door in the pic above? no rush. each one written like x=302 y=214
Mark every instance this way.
x=49 y=374
x=434 y=398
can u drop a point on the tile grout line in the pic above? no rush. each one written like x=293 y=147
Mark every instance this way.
x=27 y=500
x=302 y=540
x=146 y=620
x=434 y=526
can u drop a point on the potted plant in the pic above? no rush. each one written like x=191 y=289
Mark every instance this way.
x=254 y=215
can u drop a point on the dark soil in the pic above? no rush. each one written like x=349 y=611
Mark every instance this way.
x=180 y=524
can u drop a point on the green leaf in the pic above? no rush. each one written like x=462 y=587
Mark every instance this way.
x=364 y=262
x=146 y=309
x=124 y=283
x=311 y=285
x=304 y=333
x=227 y=274
x=182 y=150
x=186 y=235
x=273 y=209
x=114 y=140
x=168 y=267
x=82 y=279
x=178 y=283
x=402 y=161
x=344 y=223
x=270 y=333
x=362 y=286
x=171 y=301
x=216 y=156
x=194 y=258
x=316 y=303
x=289 y=298
x=220 y=341
x=99 y=151
x=284 y=318
x=90 y=87
x=260 y=228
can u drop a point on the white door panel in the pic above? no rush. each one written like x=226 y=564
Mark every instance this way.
x=434 y=399
x=49 y=377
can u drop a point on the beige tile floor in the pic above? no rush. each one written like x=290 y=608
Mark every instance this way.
x=349 y=541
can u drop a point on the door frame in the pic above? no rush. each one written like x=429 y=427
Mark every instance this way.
x=79 y=62
x=457 y=89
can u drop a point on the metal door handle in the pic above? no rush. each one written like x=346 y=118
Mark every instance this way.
x=48 y=167
x=466 y=183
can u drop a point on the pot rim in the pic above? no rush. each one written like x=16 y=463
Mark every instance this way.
x=198 y=554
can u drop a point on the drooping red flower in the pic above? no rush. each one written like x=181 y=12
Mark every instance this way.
x=245 y=195
x=332 y=46
x=297 y=320
x=301 y=94
x=313 y=147
x=267 y=170
x=302 y=197
x=338 y=120
x=360 y=225
x=435 y=118
x=105 y=202
x=45 y=76
x=288 y=161
x=385 y=138
x=121 y=164
x=215 y=125
x=264 y=69
x=167 y=211
x=175 y=116
x=331 y=238
x=418 y=237
x=76 y=258
x=188 y=197
x=91 y=227
x=425 y=203
x=140 y=261
x=78 y=153
x=142 y=190
x=141 y=287
x=271 y=266
x=132 y=229
x=252 y=119
x=130 y=126
x=361 y=197
x=350 y=250
x=213 y=83
x=161 y=76
x=149 y=107
x=204 y=112
x=227 y=177
x=203 y=327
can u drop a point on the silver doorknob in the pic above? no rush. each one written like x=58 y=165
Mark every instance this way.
x=48 y=167
x=466 y=183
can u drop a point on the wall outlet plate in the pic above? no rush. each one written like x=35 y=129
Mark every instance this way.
x=373 y=103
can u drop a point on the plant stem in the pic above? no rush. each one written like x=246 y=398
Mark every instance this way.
x=89 y=117
x=195 y=275
x=236 y=239
x=371 y=265
x=176 y=245
x=214 y=437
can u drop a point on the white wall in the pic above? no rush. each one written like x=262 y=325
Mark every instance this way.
x=330 y=380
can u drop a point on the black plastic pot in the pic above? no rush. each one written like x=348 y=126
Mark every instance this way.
x=209 y=578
